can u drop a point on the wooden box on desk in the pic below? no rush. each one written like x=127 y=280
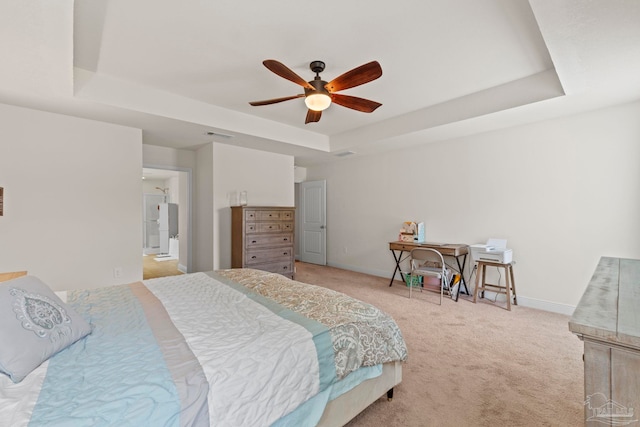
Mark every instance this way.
x=407 y=237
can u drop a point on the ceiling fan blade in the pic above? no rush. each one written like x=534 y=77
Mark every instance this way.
x=275 y=100
x=355 y=103
x=313 y=116
x=356 y=77
x=283 y=71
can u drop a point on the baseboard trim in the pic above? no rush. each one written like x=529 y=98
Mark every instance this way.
x=182 y=268
x=373 y=272
x=553 y=307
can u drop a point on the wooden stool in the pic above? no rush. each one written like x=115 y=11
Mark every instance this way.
x=482 y=285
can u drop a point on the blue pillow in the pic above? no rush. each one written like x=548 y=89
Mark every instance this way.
x=34 y=325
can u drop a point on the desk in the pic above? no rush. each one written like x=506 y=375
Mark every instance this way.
x=457 y=251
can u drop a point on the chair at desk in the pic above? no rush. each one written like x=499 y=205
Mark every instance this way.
x=429 y=264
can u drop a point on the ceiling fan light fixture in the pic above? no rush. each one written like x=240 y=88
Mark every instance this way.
x=319 y=94
x=318 y=101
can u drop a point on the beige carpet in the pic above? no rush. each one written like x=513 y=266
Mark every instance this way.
x=469 y=364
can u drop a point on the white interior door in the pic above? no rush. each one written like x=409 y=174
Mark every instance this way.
x=313 y=224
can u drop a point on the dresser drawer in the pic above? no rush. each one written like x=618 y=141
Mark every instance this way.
x=274 y=215
x=399 y=246
x=285 y=268
x=271 y=227
x=268 y=227
x=271 y=255
x=287 y=226
x=269 y=240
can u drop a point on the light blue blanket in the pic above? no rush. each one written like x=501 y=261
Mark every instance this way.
x=117 y=375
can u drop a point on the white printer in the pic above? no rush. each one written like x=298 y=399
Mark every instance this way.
x=495 y=250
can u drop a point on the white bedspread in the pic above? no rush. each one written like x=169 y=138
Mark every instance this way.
x=258 y=357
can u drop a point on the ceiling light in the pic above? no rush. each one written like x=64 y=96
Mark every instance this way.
x=318 y=101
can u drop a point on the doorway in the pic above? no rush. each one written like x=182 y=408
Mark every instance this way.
x=166 y=187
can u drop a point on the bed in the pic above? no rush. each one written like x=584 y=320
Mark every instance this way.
x=236 y=347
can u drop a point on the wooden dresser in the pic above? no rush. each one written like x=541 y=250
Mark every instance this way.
x=262 y=238
x=607 y=319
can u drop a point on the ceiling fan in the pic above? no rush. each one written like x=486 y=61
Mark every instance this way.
x=319 y=94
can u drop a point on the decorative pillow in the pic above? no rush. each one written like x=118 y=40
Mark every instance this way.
x=34 y=325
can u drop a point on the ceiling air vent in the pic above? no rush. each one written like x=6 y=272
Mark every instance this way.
x=345 y=153
x=221 y=135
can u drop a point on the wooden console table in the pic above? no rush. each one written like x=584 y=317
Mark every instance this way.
x=457 y=251
x=608 y=321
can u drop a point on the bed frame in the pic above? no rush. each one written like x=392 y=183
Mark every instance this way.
x=341 y=410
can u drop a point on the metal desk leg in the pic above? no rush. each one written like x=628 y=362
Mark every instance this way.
x=461 y=268
x=398 y=258
x=462 y=281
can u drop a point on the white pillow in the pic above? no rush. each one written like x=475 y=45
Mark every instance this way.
x=34 y=325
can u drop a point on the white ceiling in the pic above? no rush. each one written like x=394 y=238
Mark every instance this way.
x=180 y=69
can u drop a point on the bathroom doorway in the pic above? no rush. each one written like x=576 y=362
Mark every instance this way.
x=166 y=190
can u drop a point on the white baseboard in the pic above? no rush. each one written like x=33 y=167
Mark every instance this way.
x=538 y=304
x=182 y=268
x=554 y=307
x=373 y=272
x=524 y=301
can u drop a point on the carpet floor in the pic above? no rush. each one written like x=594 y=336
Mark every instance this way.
x=469 y=364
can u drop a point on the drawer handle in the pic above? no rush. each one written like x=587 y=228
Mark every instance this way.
x=285 y=253
x=285 y=239
x=253 y=257
x=285 y=268
x=254 y=241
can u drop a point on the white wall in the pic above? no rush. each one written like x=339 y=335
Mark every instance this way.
x=268 y=179
x=69 y=219
x=563 y=192
x=203 y=217
x=220 y=170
